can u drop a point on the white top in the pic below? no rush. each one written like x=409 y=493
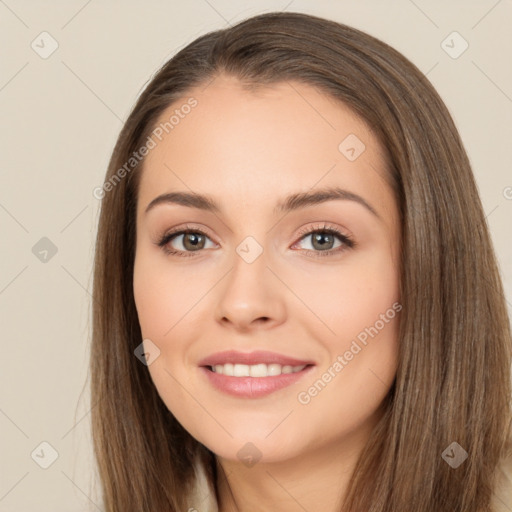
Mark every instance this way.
x=203 y=498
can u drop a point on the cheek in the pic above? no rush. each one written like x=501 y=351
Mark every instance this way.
x=359 y=308
x=348 y=298
x=152 y=303
x=163 y=295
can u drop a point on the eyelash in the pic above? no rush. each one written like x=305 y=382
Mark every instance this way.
x=348 y=242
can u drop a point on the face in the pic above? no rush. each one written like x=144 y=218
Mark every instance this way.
x=261 y=285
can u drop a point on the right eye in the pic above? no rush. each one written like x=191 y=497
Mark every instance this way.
x=192 y=240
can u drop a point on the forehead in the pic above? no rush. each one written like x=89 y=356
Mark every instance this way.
x=252 y=147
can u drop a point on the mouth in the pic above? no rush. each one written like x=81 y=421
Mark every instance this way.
x=253 y=375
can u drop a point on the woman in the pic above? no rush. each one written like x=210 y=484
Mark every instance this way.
x=297 y=304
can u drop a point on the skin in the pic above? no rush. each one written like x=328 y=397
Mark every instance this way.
x=248 y=150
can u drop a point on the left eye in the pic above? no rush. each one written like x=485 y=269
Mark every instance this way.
x=323 y=241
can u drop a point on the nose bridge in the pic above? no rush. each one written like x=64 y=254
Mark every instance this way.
x=249 y=277
x=250 y=291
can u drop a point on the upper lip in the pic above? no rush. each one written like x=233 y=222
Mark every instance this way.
x=251 y=358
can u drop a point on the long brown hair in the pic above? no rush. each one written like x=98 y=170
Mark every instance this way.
x=453 y=377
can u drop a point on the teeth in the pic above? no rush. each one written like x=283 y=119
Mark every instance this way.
x=241 y=370
x=255 y=370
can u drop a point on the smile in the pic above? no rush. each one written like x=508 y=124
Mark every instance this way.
x=252 y=375
x=256 y=370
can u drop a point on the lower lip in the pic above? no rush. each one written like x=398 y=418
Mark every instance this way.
x=253 y=387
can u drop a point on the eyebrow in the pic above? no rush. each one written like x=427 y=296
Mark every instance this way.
x=292 y=202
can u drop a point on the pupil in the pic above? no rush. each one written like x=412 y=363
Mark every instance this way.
x=318 y=239
x=193 y=239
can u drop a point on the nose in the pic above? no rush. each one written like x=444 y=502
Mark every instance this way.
x=251 y=297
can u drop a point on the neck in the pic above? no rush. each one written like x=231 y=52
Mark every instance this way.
x=316 y=480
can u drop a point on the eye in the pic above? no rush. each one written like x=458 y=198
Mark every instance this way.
x=323 y=240
x=190 y=239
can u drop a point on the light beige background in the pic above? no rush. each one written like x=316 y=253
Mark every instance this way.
x=60 y=117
